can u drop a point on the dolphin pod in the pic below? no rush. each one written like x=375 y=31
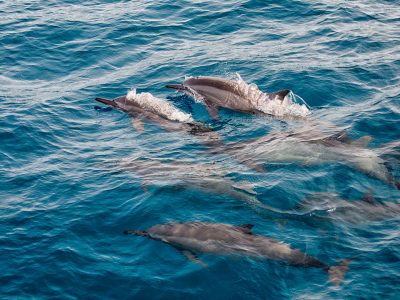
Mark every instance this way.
x=304 y=147
x=223 y=239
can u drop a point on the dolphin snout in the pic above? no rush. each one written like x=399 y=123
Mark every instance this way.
x=136 y=232
x=178 y=87
x=107 y=101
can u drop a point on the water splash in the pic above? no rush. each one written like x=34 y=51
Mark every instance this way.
x=289 y=106
x=158 y=106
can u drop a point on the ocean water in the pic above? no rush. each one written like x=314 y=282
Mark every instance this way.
x=69 y=184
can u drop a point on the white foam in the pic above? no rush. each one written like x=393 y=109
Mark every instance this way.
x=159 y=106
x=276 y=107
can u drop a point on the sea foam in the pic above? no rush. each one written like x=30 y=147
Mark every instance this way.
x=273 y=106
x=158 y=106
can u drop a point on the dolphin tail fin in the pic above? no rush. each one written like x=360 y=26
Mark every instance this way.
x=336 y=273
x=178 y=87
x=136 y=232
x=106 y=101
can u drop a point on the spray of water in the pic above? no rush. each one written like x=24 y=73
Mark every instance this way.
x=158 y=106
x=291 y=105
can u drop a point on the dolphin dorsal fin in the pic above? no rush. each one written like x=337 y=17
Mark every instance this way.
x=342 y=136
x=280 y=94
x=362 y=141
x=369 y=197
x=245 y=228
x=248 y=187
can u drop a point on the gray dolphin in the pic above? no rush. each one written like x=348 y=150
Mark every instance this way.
x=237 y=95
x=308 y=147
x=332 y=208
x=210 y=178
x=224 y=239
x=145 y=107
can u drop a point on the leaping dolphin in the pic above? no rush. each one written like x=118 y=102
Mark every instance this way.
x=238 y=95
x=144 y=106
x=223 y=239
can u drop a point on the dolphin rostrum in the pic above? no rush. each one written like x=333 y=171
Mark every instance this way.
x=309 y=147
x=144 y=106
x=223 y=239
x=237 y=95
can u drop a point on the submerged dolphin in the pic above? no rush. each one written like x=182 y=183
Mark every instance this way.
x=330 y=207
x=238 y=95
x=224 y=239
x=144 y=106
x=311 y=147
x=211 y=178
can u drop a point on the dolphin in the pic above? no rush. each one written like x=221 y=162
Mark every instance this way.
x=224 y=239
x=330 y=207
x=145 y=107
x=237 y=95
x=210 y=178
x=308 y=147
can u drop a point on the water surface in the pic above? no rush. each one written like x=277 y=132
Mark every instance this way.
x=65 y=197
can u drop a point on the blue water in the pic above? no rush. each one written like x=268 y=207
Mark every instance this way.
x=65 y=202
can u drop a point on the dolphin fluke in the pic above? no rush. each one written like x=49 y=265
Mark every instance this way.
x=136 y=232
x=336 y=273
x=107 y=101
x=178 y=87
